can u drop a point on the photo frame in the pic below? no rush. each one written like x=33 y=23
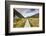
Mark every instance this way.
x=18 y=14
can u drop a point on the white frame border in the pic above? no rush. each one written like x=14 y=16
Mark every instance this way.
x=25 y=29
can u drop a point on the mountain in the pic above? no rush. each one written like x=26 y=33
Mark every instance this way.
x=24 y=13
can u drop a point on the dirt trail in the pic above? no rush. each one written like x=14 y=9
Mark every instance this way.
x=27 y=24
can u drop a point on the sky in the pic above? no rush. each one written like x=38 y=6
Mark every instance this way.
x=26 y=12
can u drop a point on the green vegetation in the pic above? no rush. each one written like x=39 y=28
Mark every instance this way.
x=20 y=22
x=34 y=22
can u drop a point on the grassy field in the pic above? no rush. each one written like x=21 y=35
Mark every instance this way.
x=20 y=22
x=34 y=22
